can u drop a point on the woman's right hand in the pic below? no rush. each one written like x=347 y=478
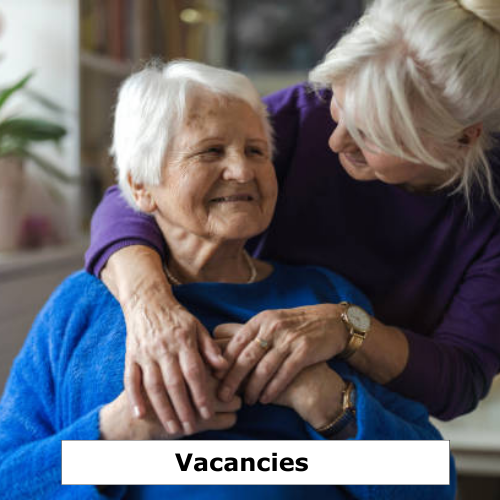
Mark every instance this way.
x=167 y=348
x=116 y=421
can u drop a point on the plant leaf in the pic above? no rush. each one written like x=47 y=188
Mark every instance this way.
x=44 y=101
x=6 y=93
x=12 y=148
x=31 y=129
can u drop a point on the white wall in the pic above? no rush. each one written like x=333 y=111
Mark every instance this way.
x=43 y=35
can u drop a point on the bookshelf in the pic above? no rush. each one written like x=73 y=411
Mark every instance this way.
x=105 y=64
x=116 y=38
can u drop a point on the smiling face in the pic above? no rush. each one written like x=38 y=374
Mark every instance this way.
x=373 y=164
x=218 y=181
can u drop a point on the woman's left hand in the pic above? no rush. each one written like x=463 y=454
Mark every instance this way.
x=295 y=338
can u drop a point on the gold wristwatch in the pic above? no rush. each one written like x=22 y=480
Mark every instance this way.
x=357 y=322
x=347 y=415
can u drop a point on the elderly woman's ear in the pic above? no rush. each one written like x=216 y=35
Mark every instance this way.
x=142 y=196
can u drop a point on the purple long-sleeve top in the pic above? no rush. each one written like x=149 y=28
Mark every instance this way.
x=428 y=267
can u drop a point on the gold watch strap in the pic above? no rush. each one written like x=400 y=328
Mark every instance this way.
x=355 y=342
x=348 y=412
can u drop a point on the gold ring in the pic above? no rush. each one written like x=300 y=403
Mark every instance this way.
x=263 y=343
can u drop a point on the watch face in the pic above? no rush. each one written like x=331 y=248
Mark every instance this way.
x=358 y=318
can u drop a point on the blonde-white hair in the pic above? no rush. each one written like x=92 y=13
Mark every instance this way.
x=151 y=106
x=416 y=74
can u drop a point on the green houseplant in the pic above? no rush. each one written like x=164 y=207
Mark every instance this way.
x=18 y=134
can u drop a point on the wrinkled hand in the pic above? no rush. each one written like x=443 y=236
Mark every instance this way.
x=315 y=394
x=117 y=422
x=296 y=338
x=167 y=349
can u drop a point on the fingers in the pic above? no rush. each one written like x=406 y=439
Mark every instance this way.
x=262 y=374
x=133 y=382
x=211 y=350
x=240 y=338
x=282 y=378
x=155 y=388
x=222 y=335
x=250 y=355
x=195 y=374
x=227 y=330
x=173 y=380
x=222 y=343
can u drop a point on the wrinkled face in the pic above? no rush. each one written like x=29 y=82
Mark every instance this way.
x=218 y=181
x=367 y=165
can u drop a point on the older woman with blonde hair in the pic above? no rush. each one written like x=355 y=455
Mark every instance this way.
x=403 y=203
x=207 y=179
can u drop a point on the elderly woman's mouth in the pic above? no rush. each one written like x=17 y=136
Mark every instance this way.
x=233 y=198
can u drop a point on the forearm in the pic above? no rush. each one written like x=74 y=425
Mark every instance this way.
x=339 y=423
x=383 y=355
x=116 y=225
x=135 y=272
x=447 y=379
x=325 y=406
x=443 y=377
x=316 y=395
x=115 y=422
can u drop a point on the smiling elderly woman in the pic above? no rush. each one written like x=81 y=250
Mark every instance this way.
x=387 y=176
x=192 y=146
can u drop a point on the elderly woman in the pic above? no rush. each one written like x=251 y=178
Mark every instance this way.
x=405 y=207
x=207 y=178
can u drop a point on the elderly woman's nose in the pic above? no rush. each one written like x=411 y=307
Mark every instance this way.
x=238 y=168
x=341 y=140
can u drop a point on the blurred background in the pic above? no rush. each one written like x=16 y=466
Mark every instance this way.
x=61 y=62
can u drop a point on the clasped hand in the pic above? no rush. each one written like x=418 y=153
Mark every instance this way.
x=168 y=350
x=271 y=349
x=311 y=394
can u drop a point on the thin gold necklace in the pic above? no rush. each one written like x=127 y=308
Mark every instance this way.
x=251 y=266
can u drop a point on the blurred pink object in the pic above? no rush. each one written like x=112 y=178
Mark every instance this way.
x=37 y=231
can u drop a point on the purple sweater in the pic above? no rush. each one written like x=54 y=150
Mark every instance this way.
x=427 y=267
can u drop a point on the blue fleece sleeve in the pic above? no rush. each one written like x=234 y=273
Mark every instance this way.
x=30 y=434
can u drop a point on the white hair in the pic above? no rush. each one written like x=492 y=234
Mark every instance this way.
x=151 y=106
x=417 y=74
